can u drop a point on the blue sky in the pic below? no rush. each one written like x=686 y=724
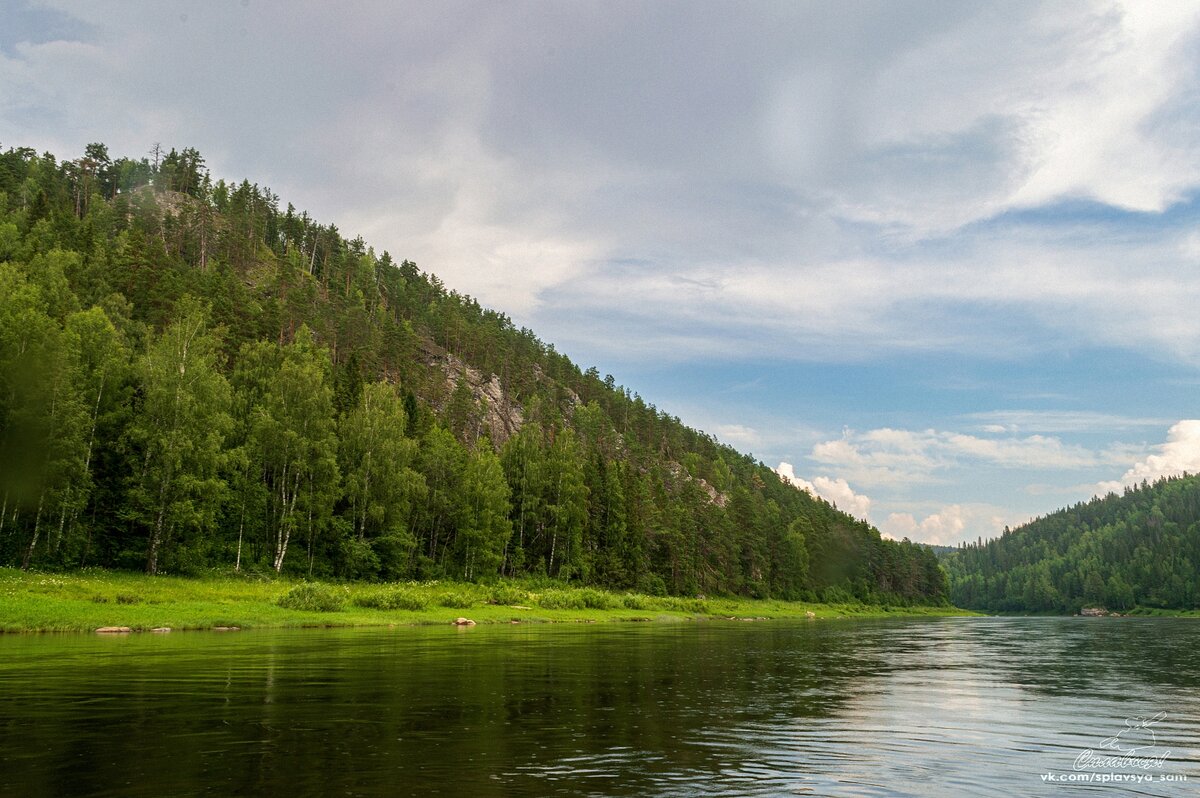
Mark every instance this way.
x=937 y=261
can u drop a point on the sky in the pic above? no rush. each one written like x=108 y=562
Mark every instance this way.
x=935 y=262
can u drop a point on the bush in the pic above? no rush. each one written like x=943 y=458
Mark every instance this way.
x=695 y=606
x=394 y=598
x=457 y=600
x=598 y=599
x=508 y=594
x=561 y=600
x=838 y=595
x=311 y=597
x=632 y=601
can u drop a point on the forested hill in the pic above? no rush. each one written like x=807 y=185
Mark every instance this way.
x=193 y=376
x=1141 y=548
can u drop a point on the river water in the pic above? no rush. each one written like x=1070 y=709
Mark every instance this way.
x=940 y=707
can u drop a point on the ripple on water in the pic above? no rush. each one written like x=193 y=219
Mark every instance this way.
x=949 y=707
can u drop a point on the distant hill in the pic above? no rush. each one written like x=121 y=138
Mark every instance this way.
x=1140 y=548
x=194 y=375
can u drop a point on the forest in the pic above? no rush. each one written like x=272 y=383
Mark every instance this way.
x=194 y=376
x=1137 y=549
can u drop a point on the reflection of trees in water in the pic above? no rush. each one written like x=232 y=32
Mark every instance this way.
x=1116 y=658
x=492 y=711
x=614 y=710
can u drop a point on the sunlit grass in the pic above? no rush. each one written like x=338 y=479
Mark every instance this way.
x=92 y=598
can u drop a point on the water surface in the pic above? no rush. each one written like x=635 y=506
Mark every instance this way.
x=938 y=707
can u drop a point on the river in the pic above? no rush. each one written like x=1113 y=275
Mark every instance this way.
x=933 y=707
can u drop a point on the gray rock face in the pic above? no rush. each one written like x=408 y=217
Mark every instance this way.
x=500 y=414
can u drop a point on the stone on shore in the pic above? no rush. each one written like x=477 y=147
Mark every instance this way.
x=114 y=630
x=463 y=622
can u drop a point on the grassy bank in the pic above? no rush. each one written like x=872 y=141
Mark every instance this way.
x=89 y=599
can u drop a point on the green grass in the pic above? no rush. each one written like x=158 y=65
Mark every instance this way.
x=1158 y=612
x=88 y=599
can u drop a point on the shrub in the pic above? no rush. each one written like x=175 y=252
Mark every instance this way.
x=561 y=600
x=394 y=598
x=695 y=606
x=633 y=601
x=457 y=600
x=312 y=597
x=508 y=594
x=598 y=599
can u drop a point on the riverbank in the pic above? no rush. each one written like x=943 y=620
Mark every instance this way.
x=87 y=600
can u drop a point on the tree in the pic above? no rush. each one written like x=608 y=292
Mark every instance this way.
x=179 y=429
x=442 y=462
x=566 y=504
x=99 y=369
x=483 y=524
x=295 y=442
x=381 y=485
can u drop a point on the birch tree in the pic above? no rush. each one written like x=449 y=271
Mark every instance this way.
x=295 y=439
x=381 y=485
x=180 y=430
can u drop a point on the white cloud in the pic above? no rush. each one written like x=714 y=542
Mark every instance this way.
x=950 y=524
x=835 y=491
x=1013 y=421
x=738 y=435
x=1179 y=454
x=898 y=457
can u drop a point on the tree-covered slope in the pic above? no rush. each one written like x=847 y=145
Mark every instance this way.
x=1141 y=548
x=193 y=376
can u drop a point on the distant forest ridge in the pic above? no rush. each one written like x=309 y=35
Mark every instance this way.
x=194 y=376
x=1140 y=548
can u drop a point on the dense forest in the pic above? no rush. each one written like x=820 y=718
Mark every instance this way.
x=194 y=377
x=1141 y=548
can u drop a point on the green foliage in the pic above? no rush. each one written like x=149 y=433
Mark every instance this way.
x=561 y=600
x=508 y=595
x=313 y=597
x=696 y=606
x=460 y=599
x=394 y=598
x=179 y=432
x=578 y=599
x=1141 y=548
x=633 y=601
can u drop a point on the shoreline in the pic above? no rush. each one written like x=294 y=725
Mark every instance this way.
x=91 y=599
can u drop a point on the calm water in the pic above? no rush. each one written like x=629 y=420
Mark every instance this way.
x=951 y=707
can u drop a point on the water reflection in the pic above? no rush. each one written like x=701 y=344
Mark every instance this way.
x=940 y=707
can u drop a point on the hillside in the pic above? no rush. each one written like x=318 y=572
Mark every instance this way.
x=1138 y=549
x=193 y=377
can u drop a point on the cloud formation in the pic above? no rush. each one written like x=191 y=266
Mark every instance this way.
x=892 y=457
x=835 y=491
x=818 y=182
x=1180 y=454
x=951 y=524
